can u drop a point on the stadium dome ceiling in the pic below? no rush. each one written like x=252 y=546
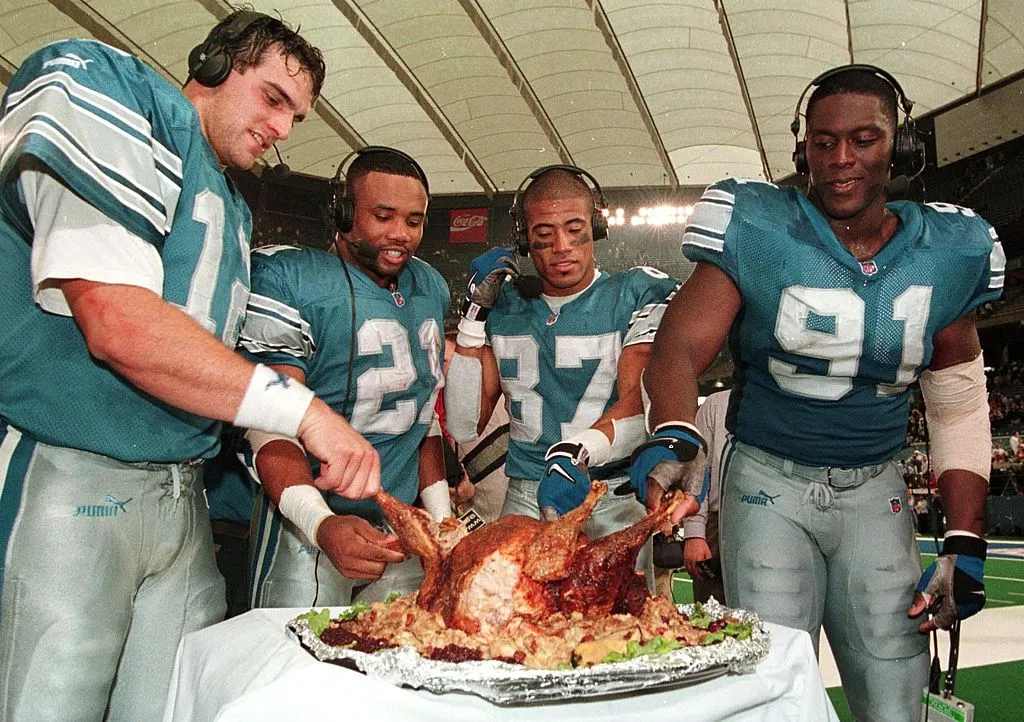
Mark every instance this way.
x=639 y=92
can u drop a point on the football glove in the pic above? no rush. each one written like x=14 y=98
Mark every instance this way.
x=674 y=457
x=954 y=584
x=486 y=274
x=565 y=483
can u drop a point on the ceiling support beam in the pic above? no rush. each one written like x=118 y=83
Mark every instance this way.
x=490 y=36
x=612 y=41
x=730 y=41
x=979 y=71
x=375 y=39
x=103 y=30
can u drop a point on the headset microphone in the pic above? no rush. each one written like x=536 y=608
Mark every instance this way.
x=529 y=287
x=281 y=170
x=364 y=250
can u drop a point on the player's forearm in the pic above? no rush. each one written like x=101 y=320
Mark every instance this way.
x=431 y=461
x=159 y=349
x=471 y=392
x=281 y=464
x=963 y=500
x=670 y=383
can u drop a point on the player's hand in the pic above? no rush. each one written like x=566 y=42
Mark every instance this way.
x=356 y=548
x=953 y=586
x=673 y=458
x=566 y=482
x=349 y=465
x=695 y=549
x=486 y=274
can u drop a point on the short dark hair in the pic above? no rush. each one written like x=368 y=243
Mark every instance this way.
x=556 y=183
x=859 y=81
x=265 y=32
x=380 y=161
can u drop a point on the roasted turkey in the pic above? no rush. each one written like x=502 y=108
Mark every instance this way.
x=519 y=567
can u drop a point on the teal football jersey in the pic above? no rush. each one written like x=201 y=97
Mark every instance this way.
x=559 y=371
x=129 y=143
x=825 y=346
x=300 y=314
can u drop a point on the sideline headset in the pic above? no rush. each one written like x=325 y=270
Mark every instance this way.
x=209 y=63
x=598 y=223
x=907 y=149
x=341 y=211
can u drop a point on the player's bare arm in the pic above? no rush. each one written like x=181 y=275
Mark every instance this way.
x=126 y=327
x=691 y=334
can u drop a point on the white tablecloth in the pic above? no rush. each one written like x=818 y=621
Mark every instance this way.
x=247 y=668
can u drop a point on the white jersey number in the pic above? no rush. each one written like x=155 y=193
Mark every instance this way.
x=570 y=352
x=373 y=384
x=209 y=211
x=840 y=340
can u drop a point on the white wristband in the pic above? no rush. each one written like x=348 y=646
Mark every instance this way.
x=436 y=500
x=304 y=506
x=596 y=443
x=273 y=402
x=472 y=334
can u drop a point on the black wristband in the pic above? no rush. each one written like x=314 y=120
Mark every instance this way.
x=964 y=545
x=473 y=311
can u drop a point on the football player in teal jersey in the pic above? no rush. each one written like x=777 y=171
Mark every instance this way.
x=361 y=324
x=568 y=360
x=834 y=302
x=125 y=273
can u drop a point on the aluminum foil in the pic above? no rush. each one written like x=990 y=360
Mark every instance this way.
x=509 y=684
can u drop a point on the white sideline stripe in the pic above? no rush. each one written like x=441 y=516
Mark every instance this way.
x=991 y=636
x=1006 y=579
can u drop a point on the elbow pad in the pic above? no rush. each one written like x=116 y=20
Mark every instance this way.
x=956 y=409
x=462 y=399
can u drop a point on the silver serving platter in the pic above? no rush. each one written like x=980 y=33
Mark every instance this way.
x=509 y=684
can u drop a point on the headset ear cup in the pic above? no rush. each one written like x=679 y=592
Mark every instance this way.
x=344 y=214
x=800 y=157
x=908 y=150
x=599 y=225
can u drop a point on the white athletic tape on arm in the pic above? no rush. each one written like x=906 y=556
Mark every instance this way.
x=596 y=443
x=462 y=399
x=630 y=432
x=436 y=500
x=471 y=334
x=305 y=507
x=273 y=402
x=435 y=426
x=956 y=409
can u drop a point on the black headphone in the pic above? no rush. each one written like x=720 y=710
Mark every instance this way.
x=341 y=211
x=208 y=63
x=598 y=222
x=907 y=149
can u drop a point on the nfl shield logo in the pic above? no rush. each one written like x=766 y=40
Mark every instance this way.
x=895 y=505
x=868 y=268
x=399 y=301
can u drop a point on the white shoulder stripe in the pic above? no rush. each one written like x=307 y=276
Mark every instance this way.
x=128 y=197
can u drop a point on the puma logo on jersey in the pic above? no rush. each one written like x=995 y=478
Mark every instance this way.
x=281 y=380
x=70 y=60
x=760 y=499
x=113 y=507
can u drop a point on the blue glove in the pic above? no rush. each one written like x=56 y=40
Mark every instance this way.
x=675 y=458
x=565 y=483
x=954 y=584
x=486 y=274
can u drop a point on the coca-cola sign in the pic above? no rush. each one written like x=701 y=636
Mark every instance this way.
x=468 y=225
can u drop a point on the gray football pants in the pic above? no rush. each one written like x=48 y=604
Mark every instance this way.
x=287 y=571
x=803 y=552
x=108 y=566
x=611 y=514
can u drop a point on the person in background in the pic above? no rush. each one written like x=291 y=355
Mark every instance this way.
x=116 y=354
x=835 y=302
x=361 y=324
x=700 y=531
x=567 y=358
